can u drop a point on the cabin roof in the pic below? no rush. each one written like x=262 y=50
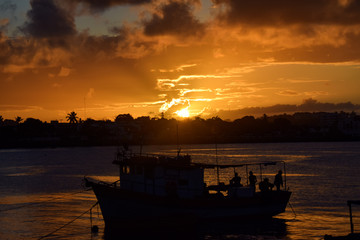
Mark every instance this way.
x=236 y=165
x=180 y=162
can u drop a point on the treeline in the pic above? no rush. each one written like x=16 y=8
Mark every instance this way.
x=145 y=130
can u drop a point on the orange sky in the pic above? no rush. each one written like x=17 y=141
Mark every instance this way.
x=144 y=57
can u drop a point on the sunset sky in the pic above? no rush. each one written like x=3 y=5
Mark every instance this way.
x=101 y=58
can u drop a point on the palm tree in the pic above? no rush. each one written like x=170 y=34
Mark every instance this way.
x=71 y=117
x=18 y=119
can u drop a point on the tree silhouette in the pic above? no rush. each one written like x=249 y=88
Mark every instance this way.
x=18 y=119
x=123 y=118
x=71 y=117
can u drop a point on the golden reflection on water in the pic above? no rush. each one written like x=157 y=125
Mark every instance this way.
x=320 y=176
x=318 y=222
x=23 y=171
x=35 y=215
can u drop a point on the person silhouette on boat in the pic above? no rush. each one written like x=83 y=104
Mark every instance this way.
x=252 y=179
x=278 y=180
x=265 y=185
x=236 y=181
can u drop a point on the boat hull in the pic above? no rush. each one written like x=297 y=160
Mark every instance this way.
x=118 y=205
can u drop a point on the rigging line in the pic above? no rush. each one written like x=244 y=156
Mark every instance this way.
x=68 y=223
x=292 y=209
x=98 y=212
x=40 y=202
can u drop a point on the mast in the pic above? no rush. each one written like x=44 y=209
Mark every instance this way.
x=247 y=174
x=217 y=163
x=351 y=220
x=285 y=176
x=141 y=145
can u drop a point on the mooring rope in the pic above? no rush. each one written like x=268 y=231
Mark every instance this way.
x=68 y=223
x=40 y=202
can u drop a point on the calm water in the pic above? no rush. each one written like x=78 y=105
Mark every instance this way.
x=41 y=189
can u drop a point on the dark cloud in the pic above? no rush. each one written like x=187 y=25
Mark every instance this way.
x=312 y=105
x=17 y=55
x=48 y=20
x=308 y=105
x=284 y=12
x=101 y=5
x=324 y=53
x=176 y=19
x=4 y=49
x=11 y=51
x=93 y=47
x=3 y=26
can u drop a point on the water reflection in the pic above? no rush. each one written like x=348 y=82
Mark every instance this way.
x=322 y=177
x=314 y=225
x=33 y=216
x=272 y=228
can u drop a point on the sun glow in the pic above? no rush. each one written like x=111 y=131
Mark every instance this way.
x=183 y=112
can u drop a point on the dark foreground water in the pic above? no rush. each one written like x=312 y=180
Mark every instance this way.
x=41 y=192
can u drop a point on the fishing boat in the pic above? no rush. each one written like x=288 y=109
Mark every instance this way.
x=162 y=189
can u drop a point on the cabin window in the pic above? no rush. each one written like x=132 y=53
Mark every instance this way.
x=125 y=169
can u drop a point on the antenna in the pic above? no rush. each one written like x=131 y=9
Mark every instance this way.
x=141 y=138
x=141 y=146
x=85 y=107
x=217 y=162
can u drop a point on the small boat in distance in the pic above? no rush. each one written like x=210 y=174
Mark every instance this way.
x=157 y=189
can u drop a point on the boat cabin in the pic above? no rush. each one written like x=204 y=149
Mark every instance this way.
x=161 y=175
x=177 y=176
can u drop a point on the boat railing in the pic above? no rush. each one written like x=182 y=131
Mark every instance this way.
x=126 y=156
x=112 y=184
x=227 y=190
x=246 y=165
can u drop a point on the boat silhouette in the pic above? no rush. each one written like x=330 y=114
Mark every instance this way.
x=168 y=190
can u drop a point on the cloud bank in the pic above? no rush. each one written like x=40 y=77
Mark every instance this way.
x=308 y=105
x=174 y=18
x=221 y=44
x=99 y=6
x=282 y=12
x=284 y=31
x=47 y=20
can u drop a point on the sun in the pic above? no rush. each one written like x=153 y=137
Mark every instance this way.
x=183 y=112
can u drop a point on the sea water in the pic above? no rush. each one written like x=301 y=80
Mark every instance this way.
x=42 y=195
